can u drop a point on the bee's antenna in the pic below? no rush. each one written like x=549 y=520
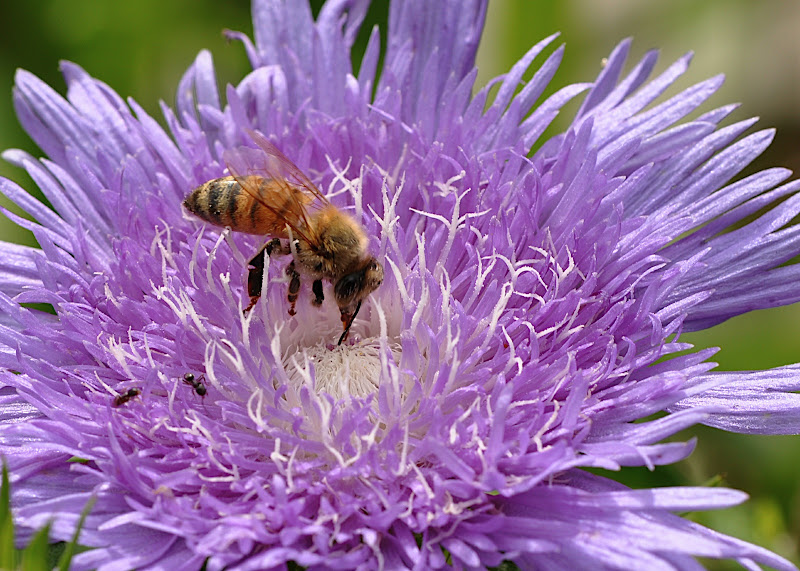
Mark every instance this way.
x=349 y=323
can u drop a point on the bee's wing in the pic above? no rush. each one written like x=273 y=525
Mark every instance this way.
x=278 y=185
x=281 y=165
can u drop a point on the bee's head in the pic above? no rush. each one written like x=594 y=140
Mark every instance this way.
x=353 y=287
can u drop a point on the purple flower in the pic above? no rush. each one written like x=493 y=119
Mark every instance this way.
x=527 y=328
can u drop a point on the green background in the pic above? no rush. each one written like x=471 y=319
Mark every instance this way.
x=141 y=49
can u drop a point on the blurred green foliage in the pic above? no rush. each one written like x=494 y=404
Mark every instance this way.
x=142 y=48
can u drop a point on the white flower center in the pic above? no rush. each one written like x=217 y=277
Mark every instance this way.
x=340 y=370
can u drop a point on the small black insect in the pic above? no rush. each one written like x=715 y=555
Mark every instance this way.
x=196 y=384
x=126 y=396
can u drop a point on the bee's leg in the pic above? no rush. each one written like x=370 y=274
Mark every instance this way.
x=294 y=286
x=316 y=287
x=255 y=276
x=347 y=321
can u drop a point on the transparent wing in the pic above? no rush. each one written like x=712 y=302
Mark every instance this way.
x=277 y=185
x=278 y=164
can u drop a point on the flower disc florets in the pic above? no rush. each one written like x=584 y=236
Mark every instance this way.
x=530 y=312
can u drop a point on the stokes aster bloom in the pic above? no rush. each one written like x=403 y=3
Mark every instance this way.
x=530 y=313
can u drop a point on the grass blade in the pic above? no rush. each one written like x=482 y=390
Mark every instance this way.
x=7 y=552
x=34 y=558
x=69 y=551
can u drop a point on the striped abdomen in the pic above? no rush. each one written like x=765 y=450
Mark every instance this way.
x=265 y=206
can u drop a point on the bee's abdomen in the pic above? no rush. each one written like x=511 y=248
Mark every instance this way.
x=223 y=202
x=215 y=201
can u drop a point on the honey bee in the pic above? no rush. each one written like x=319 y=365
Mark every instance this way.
x=196 y=384
x=267 y=194
x=126 y=396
